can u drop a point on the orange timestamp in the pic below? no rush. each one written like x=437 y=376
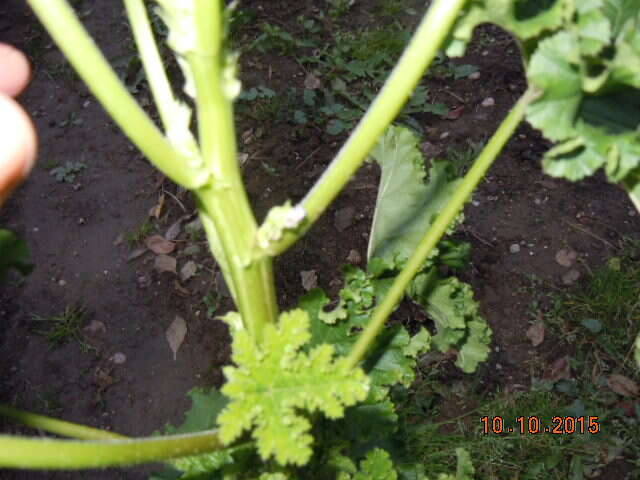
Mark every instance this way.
x=560 y=425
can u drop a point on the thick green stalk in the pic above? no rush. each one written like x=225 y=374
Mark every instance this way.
x=432 y=237
x=423 y=48
x=65 y=28
x=53 y=425
x=43 y=453
x=225 y=200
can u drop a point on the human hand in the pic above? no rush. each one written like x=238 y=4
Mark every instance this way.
x=18 y=143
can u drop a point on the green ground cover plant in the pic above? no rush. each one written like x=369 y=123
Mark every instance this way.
x=309 y=394
x=593 y=322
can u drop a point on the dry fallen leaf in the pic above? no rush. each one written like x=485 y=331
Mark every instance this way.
x=354 y=257
x=311 y=82
x=566 y=257
x=173 y=231
x=558 y=370
x=95 y=327
x=119 y=240
x=623 y=385
x=175 y=334
x=180 y=289
x=160 y=245
x=138 y=252
x=535 y=333
x=188 y=270
x=455 y=114
x=165 y=263
x=156 y=210
x=309 y=279
x=570 y=277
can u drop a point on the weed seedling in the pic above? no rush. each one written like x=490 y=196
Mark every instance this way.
x=68 y=172
x=137 y=236
x=63 y=328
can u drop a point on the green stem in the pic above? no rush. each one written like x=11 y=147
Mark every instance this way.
x=43 y=453
x=53 y=425
x=151 y=60
x=65 y=28
x=423 y=48
x=225 y=201
x=430 y=240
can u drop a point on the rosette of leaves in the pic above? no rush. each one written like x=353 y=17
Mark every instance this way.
x=408 y=202
x=275 y=382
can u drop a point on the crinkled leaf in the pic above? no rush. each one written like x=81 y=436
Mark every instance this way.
x=449 y=302
x=419 y=343
x=376 y=466
x=13 y=254
x=392 y=357
x=464 y=470
x=406 y=205
x=275 y=380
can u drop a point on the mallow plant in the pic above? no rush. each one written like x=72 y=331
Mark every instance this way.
x=308 y=391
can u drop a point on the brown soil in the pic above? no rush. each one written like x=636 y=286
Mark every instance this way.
x=75 y=229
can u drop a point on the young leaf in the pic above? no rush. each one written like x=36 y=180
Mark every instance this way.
x=392 y=359
x=275 y=380
x=449 y=302
x=377 y=466
x=205 y=406
x=406 y=205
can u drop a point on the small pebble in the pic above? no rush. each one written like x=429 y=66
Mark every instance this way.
x=62 y=283
x=488 y=102
x=474 y=76
x=515 y=248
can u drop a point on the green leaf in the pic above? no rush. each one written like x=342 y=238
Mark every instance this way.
x=420 y=343
x=14 y=254
x=275 y=380
x=206 y=404
x=300 y=117
x=406 y=205
x=592 y=324
x=590 y=104
x=465 y=470
x=637 y=352
x=462 y=71
x=376 y=466
x=336 y=127
x=449 y=302
x=392 y=358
